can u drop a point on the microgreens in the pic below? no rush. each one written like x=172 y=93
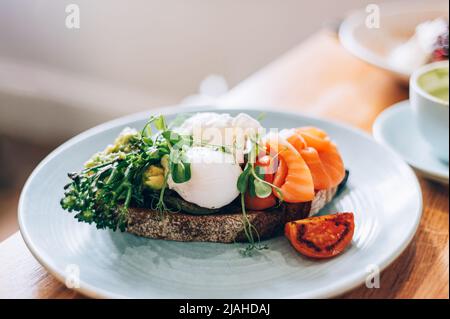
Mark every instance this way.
x=250 y=230
x=103 y=192
x=252 y=180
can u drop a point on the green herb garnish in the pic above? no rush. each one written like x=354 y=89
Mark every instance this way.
x=252 y=180
x=112 y=180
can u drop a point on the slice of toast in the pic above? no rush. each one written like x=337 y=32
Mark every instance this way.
x=223 y=227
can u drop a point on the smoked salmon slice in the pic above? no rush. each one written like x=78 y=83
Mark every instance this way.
x=314 y=137
x=328 y=156
x=318 y=170
x=307 y=161
x=298 y=185
x=334 y=166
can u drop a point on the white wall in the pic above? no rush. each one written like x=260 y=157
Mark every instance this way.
x=138 y=53
x=165 y=46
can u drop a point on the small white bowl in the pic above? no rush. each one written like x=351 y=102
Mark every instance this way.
x=398 y=21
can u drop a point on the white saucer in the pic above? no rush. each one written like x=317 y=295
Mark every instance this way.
x=395 y=128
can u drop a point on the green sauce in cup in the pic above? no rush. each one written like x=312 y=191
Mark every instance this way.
x=435 y=83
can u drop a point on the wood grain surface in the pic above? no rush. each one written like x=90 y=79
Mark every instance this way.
x=320 y=78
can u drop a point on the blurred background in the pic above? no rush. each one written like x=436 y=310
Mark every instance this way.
x=128 y=56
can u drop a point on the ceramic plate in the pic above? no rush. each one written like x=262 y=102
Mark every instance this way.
x=396 y=128
x=398 y=21
x=383 y=192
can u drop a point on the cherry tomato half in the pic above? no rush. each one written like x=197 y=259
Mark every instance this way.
x=254 y=202
x=321 y=236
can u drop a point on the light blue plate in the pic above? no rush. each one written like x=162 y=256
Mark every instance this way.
x=383 y=192
x=395 y=128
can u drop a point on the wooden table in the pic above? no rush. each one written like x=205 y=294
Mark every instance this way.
x=318 y=77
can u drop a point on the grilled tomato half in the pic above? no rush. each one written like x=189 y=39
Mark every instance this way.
x=321 y=236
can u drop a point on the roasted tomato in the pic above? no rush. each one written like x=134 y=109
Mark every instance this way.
x=321 y=236
x=255 y=202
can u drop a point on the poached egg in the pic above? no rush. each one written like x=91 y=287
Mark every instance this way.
x=213 y=182
x=219 y=128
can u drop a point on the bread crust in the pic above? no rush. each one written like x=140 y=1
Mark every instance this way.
x=221 y=228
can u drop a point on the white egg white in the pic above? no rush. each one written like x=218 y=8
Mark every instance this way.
x=213 y=182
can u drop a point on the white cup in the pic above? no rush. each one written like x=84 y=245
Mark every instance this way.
x=430 y=112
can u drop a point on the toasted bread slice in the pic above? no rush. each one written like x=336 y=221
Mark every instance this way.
x=224 y=227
